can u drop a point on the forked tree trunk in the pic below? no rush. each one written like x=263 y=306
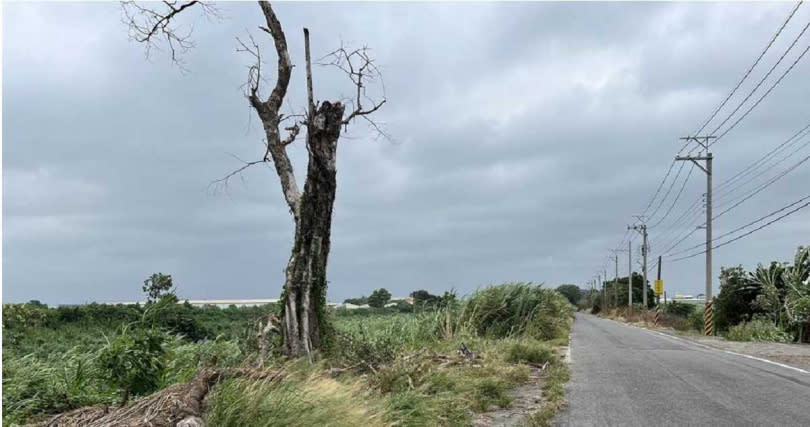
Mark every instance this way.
x=304 y=298
x=305 y=287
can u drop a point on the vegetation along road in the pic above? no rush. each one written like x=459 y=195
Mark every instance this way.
x=623 y=375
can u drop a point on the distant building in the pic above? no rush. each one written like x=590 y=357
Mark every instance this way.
x=688 y=299
x=221 y=303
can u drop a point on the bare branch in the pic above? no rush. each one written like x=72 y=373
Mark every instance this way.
x=361 y=69
x=268 y=110
x=150 y=25
x=284 y=64
x=224 y=179
x=255 y=69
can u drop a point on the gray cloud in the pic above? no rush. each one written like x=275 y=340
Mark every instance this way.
x=525 y=137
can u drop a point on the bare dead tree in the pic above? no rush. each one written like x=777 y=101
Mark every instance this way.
x=303 y=321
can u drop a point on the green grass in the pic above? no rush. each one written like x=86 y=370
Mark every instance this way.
x=380 y=368
x=531 y=352
x=758 y=330
x=554 y=393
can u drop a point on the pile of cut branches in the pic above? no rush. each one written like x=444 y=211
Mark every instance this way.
x=180 y=405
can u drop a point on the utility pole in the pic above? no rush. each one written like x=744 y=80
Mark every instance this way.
x=705 y=141
x=616 y=279
x=658 y=297
x=599 y=280
x=630 y=275
x=644 y=250
x=604 y=283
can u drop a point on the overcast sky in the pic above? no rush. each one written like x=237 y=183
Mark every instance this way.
x=524 y=138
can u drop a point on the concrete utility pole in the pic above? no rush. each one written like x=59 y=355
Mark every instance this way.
x=705 y=141
x=644 y=250
x=658 y=297
x=604 y=283
x=616 y=279
x=601 y=284
x=630 y=276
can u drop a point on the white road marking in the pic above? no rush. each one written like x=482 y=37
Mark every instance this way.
x=747 y=356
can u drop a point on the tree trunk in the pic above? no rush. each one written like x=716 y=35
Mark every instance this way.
x=305 y=287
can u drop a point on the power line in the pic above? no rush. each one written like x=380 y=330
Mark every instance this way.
x=763 y=158
x=746 y=197
x=764 y=186
x=761 y=81
x=666 y=252
x=754 y=230
x=679 y=236
x=725 y=101
x=747 y=73
x=669 y=190
x=766 y=93
x=677 y=197
x=760 y=173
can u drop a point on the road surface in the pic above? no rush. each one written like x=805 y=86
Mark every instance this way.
x=627 y=376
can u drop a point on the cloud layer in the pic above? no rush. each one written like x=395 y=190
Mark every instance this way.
x=525 y=137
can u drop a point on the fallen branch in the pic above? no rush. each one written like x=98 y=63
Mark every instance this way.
x=180 y=405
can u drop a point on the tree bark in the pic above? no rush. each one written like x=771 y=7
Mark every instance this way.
x=305 y=287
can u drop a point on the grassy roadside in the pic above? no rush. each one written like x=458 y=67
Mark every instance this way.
x=435 y=368
x=408 y=369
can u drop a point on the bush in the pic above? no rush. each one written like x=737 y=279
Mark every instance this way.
x=696 y=320
x=757 y=330
x=679 y=309
x=133 y=360
x=516 y=309
x=183 y=359
x=736 y=301
x=572 y=292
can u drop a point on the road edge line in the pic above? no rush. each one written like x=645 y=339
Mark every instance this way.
x=697 y=344
x=747 y=356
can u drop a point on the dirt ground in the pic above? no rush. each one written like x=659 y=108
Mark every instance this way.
x=526 y=400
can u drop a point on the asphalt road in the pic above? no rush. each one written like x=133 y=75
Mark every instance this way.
x=627 y=376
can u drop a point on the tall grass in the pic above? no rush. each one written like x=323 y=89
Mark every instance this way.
x=380 y=369
x=304 y=396
x=516 y=309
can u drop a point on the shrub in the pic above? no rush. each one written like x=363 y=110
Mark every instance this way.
x=757 y=330
x=696 y=320
x=133 y=360
x=184 y=359
x=736 y=301
x=679 y=309
x=572 y=292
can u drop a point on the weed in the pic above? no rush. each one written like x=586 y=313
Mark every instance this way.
x=531 y=352
x=758 y=330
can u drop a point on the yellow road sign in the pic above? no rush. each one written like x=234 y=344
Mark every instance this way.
x=659 y=288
